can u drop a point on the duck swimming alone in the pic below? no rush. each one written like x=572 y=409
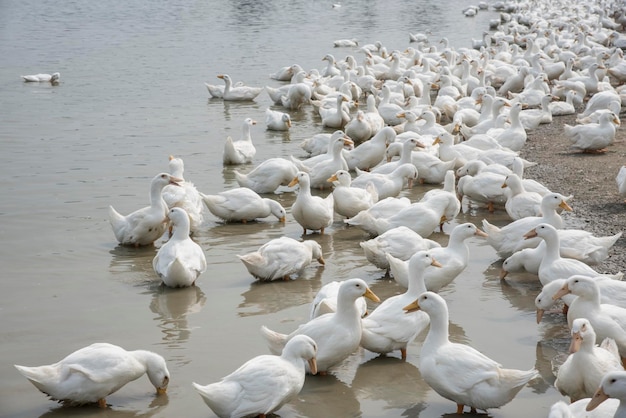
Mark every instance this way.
x=90 y=374
x=38 y=78
x=264 y=383
x=238 y=93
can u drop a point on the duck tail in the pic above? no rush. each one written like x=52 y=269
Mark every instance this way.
x=493 y=234
x=275 y=340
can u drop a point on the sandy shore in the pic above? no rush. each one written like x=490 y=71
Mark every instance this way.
x=597 y=205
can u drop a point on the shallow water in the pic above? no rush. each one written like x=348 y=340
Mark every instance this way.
x=132 y=93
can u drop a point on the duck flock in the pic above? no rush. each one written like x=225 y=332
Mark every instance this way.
x=454 y=119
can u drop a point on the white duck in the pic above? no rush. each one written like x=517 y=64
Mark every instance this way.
x=387 y=328
x=337 y=334
x=514 y=137
x=335 y=117
x=359 y=128
x=447 y=188
x=277 y=121
x=282 y=257
x=38 y=78
x=242 y=205
x=573 y=243
x=611 y=292
x=323 y=168
x=400 y=242
x=613 y=385
x=383 y=208
x=454 y=258
x=520 y=203
x=485 y=187
x=186 y=196
x=238 y=93
x=561 y=108
x=330 y=141
x=532 y=118
x=217 y=91
x=90 y=374
x=268 y=176
x=510 y=238
x=311 y=212
x=552 y=265
x=620 y=179
x=562 y=409
x=593 y=137
x=145 y=225
x=316 y=144
x=387 y=109
x=390 y=184
x=421 y=217
x=264 y=383
x=581 y=373
x=180 y=261
x=241 y=151
x=608 y=321
x=325 y=301
x=431 y=169
x=405 y=156
x=459 y=372
x=348 y=201
x=370 y=153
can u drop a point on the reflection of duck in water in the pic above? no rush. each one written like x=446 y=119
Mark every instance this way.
x=172 y=307
x=269 y=297
x=314 y=399
x=377 y=380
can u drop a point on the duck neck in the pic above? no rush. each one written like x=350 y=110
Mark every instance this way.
x=156 y=197
x=181 y=231
x=552 y=247
x=438 y=332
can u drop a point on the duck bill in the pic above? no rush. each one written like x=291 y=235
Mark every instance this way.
x=332 y=178
x=435 y=263
x=503 y=274
x=313 y=365
x=530 y=234
x=371 y=296
x=437 y=141
x=577 y=340
x=597 y=399
x=539 y=315
x=412 y=307
x=481 y=233
x=562 y=292
x=175 y=181
x=283 y=219
x=293 y=182
x=321 y=261
x=565 y=206
x=161 y=391
x=220 y=76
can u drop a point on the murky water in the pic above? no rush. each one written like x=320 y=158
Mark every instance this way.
x=131 y=94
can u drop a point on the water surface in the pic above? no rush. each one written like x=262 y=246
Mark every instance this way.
x=131 y=94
